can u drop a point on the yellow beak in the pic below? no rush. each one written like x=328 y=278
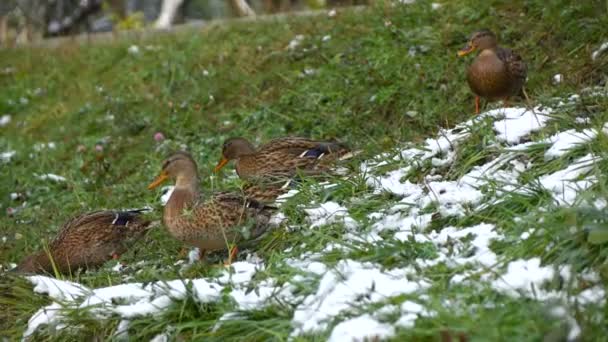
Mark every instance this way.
x=466 y=50
x=220 y=165
x=159 y=180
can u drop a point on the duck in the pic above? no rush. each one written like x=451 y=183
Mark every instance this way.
x=496 y=73
x=88 y=241
x=281 y=158
x=211 y=223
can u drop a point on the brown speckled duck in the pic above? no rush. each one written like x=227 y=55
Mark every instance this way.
x=282 y=157
x=496 y=73
x=209 y=224
x=88 y=241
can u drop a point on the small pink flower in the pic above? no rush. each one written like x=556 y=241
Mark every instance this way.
x=10 y=211
x=99 y=148
x=158 y=137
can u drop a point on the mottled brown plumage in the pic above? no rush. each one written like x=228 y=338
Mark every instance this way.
x=210 y=224
x=281 y=158
x=496 y=73
x=88 y=241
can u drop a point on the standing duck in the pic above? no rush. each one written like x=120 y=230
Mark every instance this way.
x=281 y=158
x=88 y=241
x=496 y=73
x=210 y=224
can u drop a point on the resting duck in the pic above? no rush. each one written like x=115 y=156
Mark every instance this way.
x=282 y=157
x=210 y=224
x=496 y=73
x=88 y=241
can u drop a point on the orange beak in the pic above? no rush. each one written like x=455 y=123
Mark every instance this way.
x=221 y=164
x=466 y=50
x=159 y=180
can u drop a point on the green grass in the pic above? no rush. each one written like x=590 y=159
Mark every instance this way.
x=366 y=90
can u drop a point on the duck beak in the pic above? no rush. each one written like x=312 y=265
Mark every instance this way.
x=159 y=180
x=466 y=50
x=220 y=165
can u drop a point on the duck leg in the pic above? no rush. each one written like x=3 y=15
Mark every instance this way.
x=116 y=256
x=232 y=252
x=477 y=104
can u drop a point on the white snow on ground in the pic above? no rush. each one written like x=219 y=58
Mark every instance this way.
x=565 y=184
x=50 y=176
x=518 y=122
x=595 y=54
x=567 y=140
x=361 y=328
x=338 y=291
x=526 y=278
x=5 y=120
x=349 y=282
x=7 y=156
x=330 y=212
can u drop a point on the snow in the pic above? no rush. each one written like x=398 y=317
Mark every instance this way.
x=53 y=177
x=564 y=141
x=57 y=289
x=452 y=196
x=595 y=54
x=558 y=78
x=518 y=122
x=133 y=50
x=392 y=183
x=5 y=120
x=565 y=184
x=133 y=300
x=7 y=156
x=362 y=328
x=295 y=42
x=349 y=282
x=525 y=278
x=410 y=311
x=328 y=213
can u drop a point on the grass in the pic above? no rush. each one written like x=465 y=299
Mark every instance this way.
x=387 y=75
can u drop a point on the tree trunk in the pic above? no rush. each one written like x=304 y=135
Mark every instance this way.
x=241 y=8
x=167 y=13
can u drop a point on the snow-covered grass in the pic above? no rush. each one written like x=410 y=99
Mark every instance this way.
x=448 y=224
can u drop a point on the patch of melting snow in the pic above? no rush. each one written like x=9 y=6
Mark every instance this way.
x=392 y=183
x=452 y=197
x=330 y=212
x=526 y=278
x=7 y=156
x=53 y=177
x=362 y=328
x=565 y=184
x=348 y=283
x=5 y=120
x=295 y=42
x=565 y=141
x=43 y=146
x=138 y=299
x=595 y=54
x=518 y=123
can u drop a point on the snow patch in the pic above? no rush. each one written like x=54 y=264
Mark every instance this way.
x=362 y=328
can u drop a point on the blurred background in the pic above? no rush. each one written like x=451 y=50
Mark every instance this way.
x=26 y=21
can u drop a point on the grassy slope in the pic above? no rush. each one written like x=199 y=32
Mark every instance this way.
x=255 y=88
